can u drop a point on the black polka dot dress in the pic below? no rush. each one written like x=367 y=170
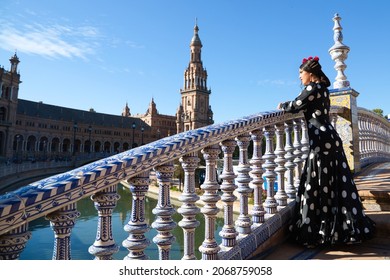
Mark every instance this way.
x=328 y=207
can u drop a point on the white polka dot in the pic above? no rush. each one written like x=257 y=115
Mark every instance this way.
x=317 y=149
x=328 y=145
x=354 y=210
x=325 y=110
x=299 y=102
x=311 y=142
x=325 y=170
x=344 y=179
x=316 y=132
x=325 y=189
x=354 y=196
x=325 y=209
x=309 y=88
x=311 y=97
x=313 y=174
x=366 y=230
x=337 y=143
x=307 y=220
x=315 y=193
x=311 y=156
x=308 y=229
x=332 y=194
x=344 y=194
x=318 y=95
x=326 y=153
x=308 y=187
x=310 y=125
x=343 y=210
x=318 y=112
x=323 y=128
x=344 y=165
x=312 y=206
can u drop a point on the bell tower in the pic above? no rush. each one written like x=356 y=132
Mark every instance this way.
x=194 y=110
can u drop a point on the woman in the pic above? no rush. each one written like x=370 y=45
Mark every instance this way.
x=328 y=209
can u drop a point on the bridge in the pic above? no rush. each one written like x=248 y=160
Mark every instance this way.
x=272 y=147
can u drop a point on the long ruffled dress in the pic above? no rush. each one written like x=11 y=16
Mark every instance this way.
x=328 y=208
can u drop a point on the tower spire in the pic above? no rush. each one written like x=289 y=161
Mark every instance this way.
x=194 y=111
x=339 y=53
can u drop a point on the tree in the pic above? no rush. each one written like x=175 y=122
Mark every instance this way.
x=378 y=111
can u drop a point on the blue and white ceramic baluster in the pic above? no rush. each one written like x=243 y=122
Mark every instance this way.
x=297 y=153
x=243 y=222
x=228 y=232
x=210 y=247
x=257 y=177
x=13 y=242
x=164 y=211
x=136 y=242
x=104 y=246
x=304 y=141
x=62 y=222
x=290 y=165
x=188 y=209
x=280 y=196
x=270 y=204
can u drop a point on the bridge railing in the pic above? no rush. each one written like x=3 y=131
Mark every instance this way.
x=56 y=197
x=279 y=143
x=374 y=137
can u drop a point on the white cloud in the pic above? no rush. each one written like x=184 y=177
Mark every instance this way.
x=52 y=41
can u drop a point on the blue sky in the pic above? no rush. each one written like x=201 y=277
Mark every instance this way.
x=101 y=54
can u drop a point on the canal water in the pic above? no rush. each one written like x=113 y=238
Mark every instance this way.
x=40 y=246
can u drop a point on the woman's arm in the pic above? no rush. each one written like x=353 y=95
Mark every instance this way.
x=301 y=101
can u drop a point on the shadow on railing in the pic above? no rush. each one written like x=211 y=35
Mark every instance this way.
x=285 y=149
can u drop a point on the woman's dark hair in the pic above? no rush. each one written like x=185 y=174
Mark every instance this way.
x=313 y=66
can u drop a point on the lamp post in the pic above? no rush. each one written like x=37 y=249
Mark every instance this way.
x=132 y=143
x=44 y=149
x=90 y=143
x=142 y=135
x=17 y=147
x=74 y=137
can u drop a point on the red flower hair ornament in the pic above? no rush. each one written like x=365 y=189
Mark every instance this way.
x=316 y=58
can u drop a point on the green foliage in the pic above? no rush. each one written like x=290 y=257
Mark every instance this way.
x=378 y=111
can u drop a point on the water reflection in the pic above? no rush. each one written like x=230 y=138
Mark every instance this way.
x=40 y=246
